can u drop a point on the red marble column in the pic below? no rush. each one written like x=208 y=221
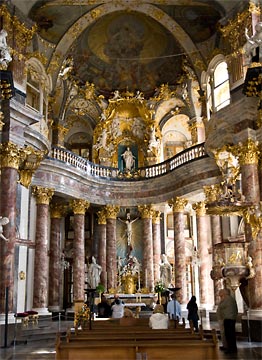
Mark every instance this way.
x=79 y=207
x=148 y=269
x=156 y=244
x=9 y=177
x=205 y=282
x=254 y=284
x=40 y=298
x=55 y=266
x=248 y=160
x=101 y=236
x=178 y=205
x=111 y=266
x=216 y=239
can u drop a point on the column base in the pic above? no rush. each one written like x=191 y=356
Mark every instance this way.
x=42 y=311
x=252 y=325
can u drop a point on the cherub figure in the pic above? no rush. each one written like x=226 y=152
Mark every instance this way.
x=3 y=221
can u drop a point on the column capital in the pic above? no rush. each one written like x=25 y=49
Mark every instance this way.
x=212 y=192
x=146 y=211
x=200 y=208
x=178 y=204
x=101 y=216
x=156 y=216
x=79 y=206
x=112 y=211
x=58 y=210
x=247 y=152
x=30 y=161
x=43 y=195
x=10 y=155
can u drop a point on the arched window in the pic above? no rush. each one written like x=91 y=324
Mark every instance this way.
x=216 y=84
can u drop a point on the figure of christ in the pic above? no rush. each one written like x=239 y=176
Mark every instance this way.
x=128 y=233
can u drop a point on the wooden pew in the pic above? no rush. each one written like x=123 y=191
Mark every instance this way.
x=124 y=343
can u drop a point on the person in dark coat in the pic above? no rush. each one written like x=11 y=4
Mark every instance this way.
x=104 y=308
x=193 y=312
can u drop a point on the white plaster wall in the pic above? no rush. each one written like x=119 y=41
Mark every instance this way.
x=30 y=279
x=21 y=284
x=23 y=229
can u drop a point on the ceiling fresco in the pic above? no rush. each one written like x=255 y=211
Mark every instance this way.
x=127 y=50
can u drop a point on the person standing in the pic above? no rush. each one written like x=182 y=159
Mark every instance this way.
x=118 y=309
x=193 y=312
x=227 y=313
x=104 y=308
x=174 y=308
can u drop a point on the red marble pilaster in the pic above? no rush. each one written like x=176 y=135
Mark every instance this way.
x=254 y=284
x=156 y=244
x=79 y=208
x=179 y=247
x=180 y=256
x=216 y=231
x=101 y=236
x=8 y=209
x=148 y=269
x=55 y=265
x=205 y=281
x=111 y=265
x=41 y=257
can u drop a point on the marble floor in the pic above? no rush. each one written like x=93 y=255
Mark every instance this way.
x=38 y=342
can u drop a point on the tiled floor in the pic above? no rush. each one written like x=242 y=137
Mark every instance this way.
x=38 y=342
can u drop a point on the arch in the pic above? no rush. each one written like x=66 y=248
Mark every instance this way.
x=149 y=10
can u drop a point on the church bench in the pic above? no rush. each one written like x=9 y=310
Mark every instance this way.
x=129 y=349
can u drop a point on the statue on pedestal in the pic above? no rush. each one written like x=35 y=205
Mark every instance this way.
x=93 y=274
x=165 y=271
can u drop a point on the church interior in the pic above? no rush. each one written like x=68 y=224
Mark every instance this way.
x=130 y=153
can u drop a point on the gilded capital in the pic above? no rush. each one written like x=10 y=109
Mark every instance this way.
x=247 y=152
x=111 y=211
x=200 y=208
x=30 y=160
x=43 y=195
x=79 y=206
x=212 y=192
x=58 y=210
x=156 y=216
x=178 y=204
x=101 y=217
x=146 y=211
x=10 y=156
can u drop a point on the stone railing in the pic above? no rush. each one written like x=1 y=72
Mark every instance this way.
x=149 y=172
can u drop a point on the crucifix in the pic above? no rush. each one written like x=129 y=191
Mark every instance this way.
x=128 y=233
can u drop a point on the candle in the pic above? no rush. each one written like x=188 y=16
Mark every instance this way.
x=139 y=281
x=146 y=278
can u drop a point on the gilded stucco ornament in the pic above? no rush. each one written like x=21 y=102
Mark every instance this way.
x=10 y=155
x=146 y=211
x=43 y=195
x=247 y=153
x=156 y=216
x=57 y=211
x=30 y=161
x=200 y=208
x=79 y=206
x=178 y=204
x=111 y=211
x=101 y=214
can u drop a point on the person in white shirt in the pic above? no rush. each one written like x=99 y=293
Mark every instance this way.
x=117 y=309
x=159 y=320
x=174 y=308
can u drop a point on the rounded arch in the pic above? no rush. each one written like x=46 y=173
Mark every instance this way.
x=149 y=10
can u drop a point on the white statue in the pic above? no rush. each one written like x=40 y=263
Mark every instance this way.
x=5 y=57
x=66 y=68
x=165 y=271
x=129 y=159
x=3 y=221
x=253 y=42
x=93 y=274
x=128 y=222
x=154 y=143
x=101 y=142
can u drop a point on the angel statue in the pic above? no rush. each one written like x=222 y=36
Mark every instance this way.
x=3 y=221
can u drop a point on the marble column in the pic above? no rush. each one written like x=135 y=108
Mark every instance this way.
x=148 y=268
x=216 y=232
x=55 y=258
x=101 y=236
x=254 y=284
x=156 y=243
x=205 y=281
x=178 y=205
x=9 y=175
x=79 y=208
x=111 y=265
x=40 y=298
x=248 y=159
